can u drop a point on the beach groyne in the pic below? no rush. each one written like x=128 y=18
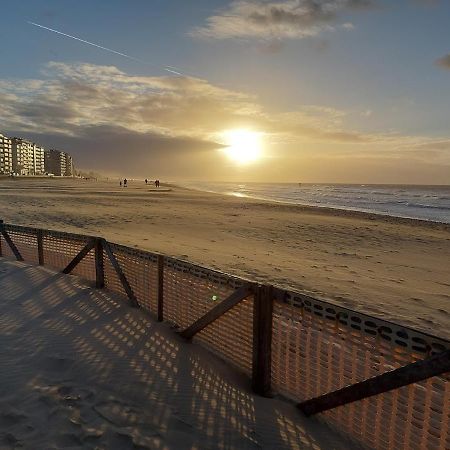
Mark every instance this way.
x=284 y=341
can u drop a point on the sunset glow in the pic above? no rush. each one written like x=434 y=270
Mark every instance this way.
x=244 y=146
x=277 y=171
x=280 y=90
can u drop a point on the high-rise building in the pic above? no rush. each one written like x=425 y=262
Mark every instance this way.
x=22 y=156
x=55 y=162
x=6 y=162
x=27 y=157
x=70 y=169
x=39 y=160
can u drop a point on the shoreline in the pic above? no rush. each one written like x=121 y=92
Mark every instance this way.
x=382 y=266
x=312 y=209
x=329 y=210
x=303 y=207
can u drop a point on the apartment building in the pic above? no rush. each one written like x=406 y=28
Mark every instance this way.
x=27 y=157
x=21 y=157
x=55 y=162
x=6 y=161
x=70 y=169
x=39 y=160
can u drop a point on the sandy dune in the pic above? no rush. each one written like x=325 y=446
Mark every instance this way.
x=395 y=269
x=81 y=369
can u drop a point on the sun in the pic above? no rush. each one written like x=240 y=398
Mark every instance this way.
x=243 y=146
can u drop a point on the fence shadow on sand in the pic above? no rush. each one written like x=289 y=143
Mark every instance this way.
x=81 y=368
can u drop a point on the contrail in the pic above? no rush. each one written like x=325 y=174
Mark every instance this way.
x=173 y=71
x=86 y=42
x=103 y=48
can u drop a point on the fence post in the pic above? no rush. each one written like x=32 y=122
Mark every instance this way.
x=160 y=288
x=40 y=245
x=262 y=340
x=99 y=266
x=10 y=242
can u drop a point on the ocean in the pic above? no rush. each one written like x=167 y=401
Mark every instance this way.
x=430 y=203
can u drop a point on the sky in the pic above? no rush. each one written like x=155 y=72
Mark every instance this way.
x=335 y=91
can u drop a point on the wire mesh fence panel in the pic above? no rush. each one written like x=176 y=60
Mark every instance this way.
x=412 y=417
x=190 y=292
x=318 y=349
x=231 y=335
x=25 y=239
x=61 y=248
x=141 y=270
x=112 y=281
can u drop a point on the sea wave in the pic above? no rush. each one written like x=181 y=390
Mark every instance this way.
x=396 y=201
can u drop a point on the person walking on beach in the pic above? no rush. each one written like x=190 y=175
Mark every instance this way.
x=120 y=183
x=146 y=181
x=125 y=182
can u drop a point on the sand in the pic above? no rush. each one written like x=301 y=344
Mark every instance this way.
x=81 y=369
x=396 y=269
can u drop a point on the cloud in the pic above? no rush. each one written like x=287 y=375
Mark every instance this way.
x=116 y=150
x=74 y=97
x=348 y=26
x=435 y=144
x=444 y=62
x=115 y=121
x=278 y=19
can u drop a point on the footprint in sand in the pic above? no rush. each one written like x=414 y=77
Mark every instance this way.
x=68 y=440
x=56 y=363
x=9 y=440
x=11 y=418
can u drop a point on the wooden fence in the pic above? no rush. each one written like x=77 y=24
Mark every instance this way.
x=384 y=384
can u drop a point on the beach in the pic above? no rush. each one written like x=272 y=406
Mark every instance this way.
x=392 y=268
x=81 y=369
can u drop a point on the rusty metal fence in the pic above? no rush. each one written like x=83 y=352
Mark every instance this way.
x=286 y=342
